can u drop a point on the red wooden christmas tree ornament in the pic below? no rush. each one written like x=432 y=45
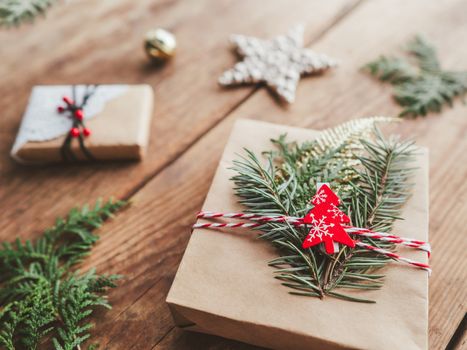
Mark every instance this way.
x=325 y=220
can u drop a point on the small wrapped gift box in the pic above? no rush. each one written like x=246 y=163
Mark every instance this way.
x=80 y=122
x=224 y=285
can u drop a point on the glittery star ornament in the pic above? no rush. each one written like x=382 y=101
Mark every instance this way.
x=278 y=62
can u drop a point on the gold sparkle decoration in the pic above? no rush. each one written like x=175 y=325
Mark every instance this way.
x=345 y=139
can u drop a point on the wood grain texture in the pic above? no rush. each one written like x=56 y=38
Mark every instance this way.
x=86 y=41
x=107 y=47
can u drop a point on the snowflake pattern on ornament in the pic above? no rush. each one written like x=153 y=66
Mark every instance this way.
x=319 y=197
x=326 y=228
x=319 y=228
x=336 y=213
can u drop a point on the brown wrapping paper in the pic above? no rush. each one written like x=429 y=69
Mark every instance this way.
x=225 y=287
x=119 y=131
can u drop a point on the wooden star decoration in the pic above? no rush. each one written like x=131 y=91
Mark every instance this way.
x=279 y=62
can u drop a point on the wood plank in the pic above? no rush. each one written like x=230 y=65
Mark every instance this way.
x=459 y=339
x=105 y=46
x=162 y=215
x=179 y=339
x=106 y=43
x=147 y=252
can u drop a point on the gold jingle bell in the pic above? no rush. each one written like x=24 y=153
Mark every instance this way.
x=160 y=45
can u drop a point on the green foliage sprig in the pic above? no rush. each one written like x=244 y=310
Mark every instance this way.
x=41 y=293
x=423 y=88
x=15 y=12
x=372 y=196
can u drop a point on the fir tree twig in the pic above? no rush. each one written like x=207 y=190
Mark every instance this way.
x=15 y=12
x=423 y=88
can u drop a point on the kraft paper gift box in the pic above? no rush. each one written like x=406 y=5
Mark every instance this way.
x=118 y=117
x=225 y=287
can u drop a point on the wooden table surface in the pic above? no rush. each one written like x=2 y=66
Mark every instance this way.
x=101 y=42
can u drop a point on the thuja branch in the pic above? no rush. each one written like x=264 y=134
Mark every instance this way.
x=42 y=295
x=373 y=180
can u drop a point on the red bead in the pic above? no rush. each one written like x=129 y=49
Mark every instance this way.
x=68 y=100
x=79 y=114
x=74 y=132
x=60 y=109
x=86 y=132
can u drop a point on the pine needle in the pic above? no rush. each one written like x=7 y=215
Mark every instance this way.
x=15 y=12
x=423 y=88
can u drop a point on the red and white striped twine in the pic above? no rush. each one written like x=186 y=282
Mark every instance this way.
x=262 y=219
x=383 y=236
x=394 y=256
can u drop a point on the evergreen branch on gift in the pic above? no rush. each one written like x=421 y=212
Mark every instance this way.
x=422 y=89
x=373 y=197
x=42 y=296
x=15 y=12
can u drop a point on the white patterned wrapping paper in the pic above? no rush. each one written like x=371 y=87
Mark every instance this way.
x=41 y=120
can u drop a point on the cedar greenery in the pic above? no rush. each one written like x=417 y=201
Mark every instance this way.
x=15 y=12
x=43 y=298
x=423 y=89
x=372 y=179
